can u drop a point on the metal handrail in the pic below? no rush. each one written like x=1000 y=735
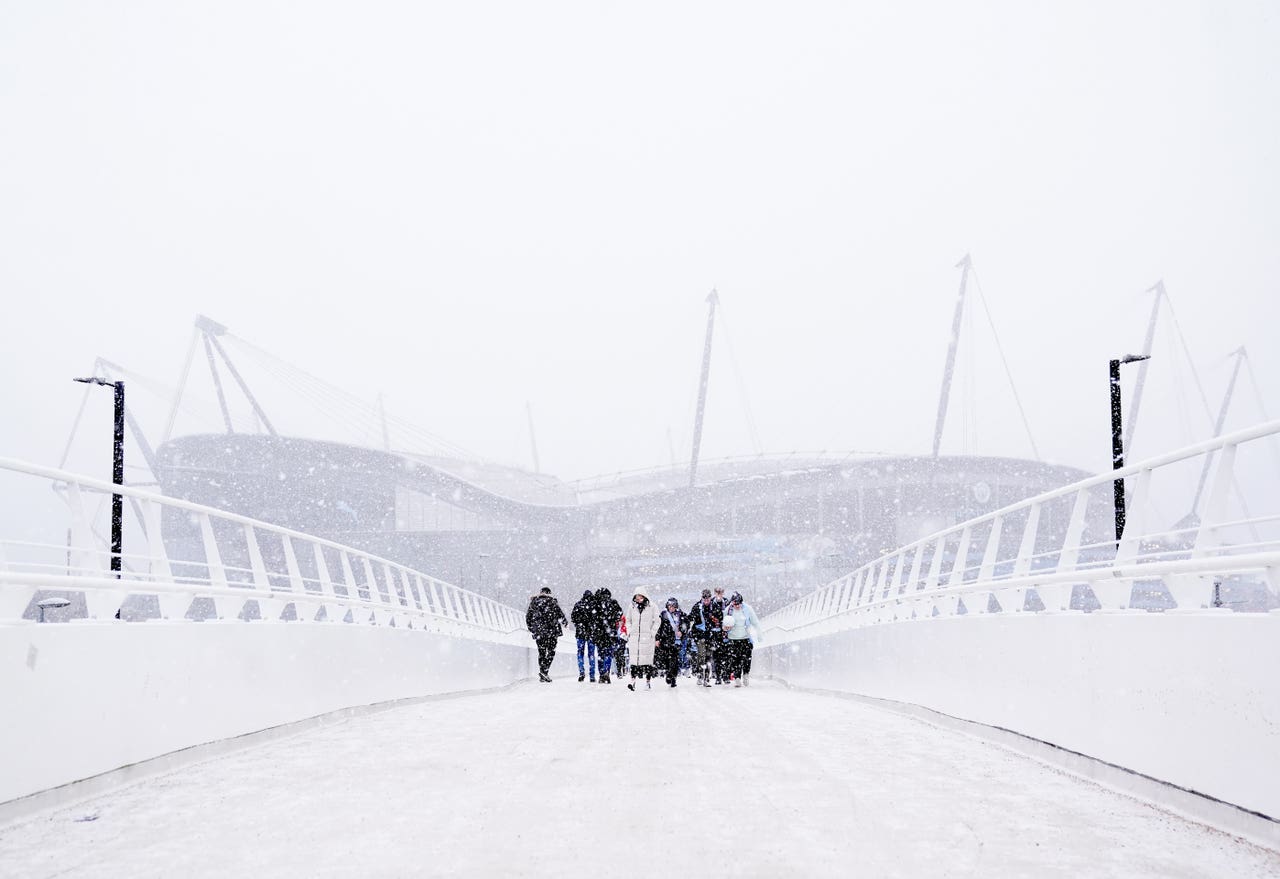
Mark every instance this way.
x=385 y=591
x=897 y=586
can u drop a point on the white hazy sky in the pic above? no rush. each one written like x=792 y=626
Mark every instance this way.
x=469 y=206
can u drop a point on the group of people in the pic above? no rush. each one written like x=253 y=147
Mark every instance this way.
x=711 y=642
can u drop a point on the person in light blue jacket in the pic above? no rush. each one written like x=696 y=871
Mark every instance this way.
x=741 y=639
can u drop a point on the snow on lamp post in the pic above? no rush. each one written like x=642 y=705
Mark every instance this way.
x=117 y=469
x=51 y=604
x=1117 y=441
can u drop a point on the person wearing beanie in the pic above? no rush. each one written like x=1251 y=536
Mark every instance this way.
x=671 y=632
x=604 y=632
x=583 y=617
x=704 y=623
x=740 y=640
x=642 y=637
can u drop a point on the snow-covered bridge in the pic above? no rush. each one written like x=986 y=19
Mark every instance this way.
x=972 y=718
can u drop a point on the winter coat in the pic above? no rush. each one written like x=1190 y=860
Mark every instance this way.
x=544 y=618
x=642 y=632
x=705 y=621
x=604 y=631
x=744 y=621
x=584 y=616
x=670 y=630
x=670 y=627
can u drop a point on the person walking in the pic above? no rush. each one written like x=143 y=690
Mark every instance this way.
x=704 y=622
x=642 y=637
x=671 y=634
x=583 y=616
x=720 y=658
x=604 y=630
x=545 y=621
x=740 y=641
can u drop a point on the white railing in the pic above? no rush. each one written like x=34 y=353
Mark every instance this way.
x=187 y=556
x=1044 y=544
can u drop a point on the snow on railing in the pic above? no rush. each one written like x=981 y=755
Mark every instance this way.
x=1043 y=544
x=195 y=557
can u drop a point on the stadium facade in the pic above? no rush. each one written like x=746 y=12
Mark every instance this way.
x=772 y=528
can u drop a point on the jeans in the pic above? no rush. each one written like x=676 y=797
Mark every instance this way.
x=604 y=654
x=591 y=657
x=683 y=646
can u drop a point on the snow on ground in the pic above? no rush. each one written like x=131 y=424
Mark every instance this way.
x=570 y=779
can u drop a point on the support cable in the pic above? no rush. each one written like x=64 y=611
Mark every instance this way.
x=356 y=404
x=1005 y=361
x=752 y=434
x=1274 y=442
x=182 y=385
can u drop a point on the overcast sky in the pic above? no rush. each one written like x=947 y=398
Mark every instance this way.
x=471 y=206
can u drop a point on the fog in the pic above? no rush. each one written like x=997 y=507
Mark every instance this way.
x=470 y=209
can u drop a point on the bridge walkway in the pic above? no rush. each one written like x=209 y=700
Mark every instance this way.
x=548 y=779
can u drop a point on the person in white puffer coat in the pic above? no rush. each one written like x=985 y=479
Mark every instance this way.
x=642 y=637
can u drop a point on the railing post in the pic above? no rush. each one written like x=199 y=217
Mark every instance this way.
x=304 y=608
x=334 y=612
x=382 y=611
x=1207 y=536
x=913 y=579
x=1135 y=519
x=935 y=564
x=962 y=557
x=269 y=607
x=226 y=607
x=84 y=555
x=173 y=605
x=358 y=609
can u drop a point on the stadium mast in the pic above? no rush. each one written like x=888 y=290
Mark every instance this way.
x=949 y=370
x=712 y=300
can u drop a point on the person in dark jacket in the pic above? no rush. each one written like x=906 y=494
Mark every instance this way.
x=604 y=631
x=583 y=616
x=705 y=623
x=546 y=622
x=671 y=631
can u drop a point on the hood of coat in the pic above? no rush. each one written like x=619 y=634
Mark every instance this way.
x=640 y=595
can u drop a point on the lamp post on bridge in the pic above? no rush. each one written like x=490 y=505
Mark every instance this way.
x=117 y=469
x=1117 y=440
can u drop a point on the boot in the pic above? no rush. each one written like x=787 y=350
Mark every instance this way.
x=632 y=686
x=544 y=677
x=737 y=682
x=605 y=679
x=582 y=677
x=746 y=680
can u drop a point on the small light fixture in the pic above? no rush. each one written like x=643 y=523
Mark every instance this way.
x=47 y=603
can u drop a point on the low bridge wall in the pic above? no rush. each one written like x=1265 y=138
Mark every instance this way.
x=986 y=621
x=244 y=629
x=87 y=698
x=1189 y=699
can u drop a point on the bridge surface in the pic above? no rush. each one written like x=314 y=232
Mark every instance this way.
x=549 y=779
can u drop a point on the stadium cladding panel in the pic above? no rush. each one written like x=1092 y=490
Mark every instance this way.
x=772 y=528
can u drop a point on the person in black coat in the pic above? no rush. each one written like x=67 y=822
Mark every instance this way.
x=604 y=631
x=584 y=617
x=546 y=622
x=704 y=622
x=671 y=630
